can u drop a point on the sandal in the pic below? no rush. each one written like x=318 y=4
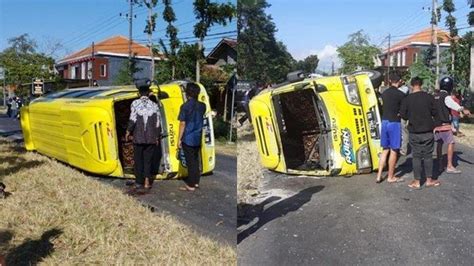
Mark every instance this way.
x=434 y=183
x=188 y=189
x=378 y=180
x=453 y=171
x=413 y=185
x=397 y=180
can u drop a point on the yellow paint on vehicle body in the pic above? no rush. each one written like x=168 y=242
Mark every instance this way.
x=342 y=120
x=82 y=131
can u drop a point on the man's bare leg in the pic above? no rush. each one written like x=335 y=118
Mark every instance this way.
x=382 y=160
x=392 y=161
x=450 y=154
x=450 y=169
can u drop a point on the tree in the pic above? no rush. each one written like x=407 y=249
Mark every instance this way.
x=23 y=63
x=172 y=34
x=186 y=60
x=123 y=76
x=357 y=53
x=462 y=66
x=261 y=56
x=421 y=70
x=448 y=6
x=149 y=29
x=308 y=65
x=208 y=14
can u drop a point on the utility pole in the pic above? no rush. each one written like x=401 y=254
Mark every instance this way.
x=91 y=77
x=434 y=31
x=130 y=19
x=389 y=62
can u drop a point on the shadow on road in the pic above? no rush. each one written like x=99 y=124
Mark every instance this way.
x=32 y=251
x=277 y=210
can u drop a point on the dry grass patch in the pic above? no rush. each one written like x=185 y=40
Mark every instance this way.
x=226 y=148
x=56 y=215
x=468 y=131
x=249 y=170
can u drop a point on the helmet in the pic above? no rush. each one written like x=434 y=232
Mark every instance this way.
x=446 y=84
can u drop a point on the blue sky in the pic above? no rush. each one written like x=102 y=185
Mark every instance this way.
x=76 y=23
x=319 y=26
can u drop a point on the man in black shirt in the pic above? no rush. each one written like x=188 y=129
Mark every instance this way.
x=419 y=109
x=391 y=133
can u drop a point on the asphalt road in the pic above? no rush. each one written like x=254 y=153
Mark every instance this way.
x=210 y=210
x=339 y=220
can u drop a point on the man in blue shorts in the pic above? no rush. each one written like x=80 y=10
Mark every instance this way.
x=391 y=128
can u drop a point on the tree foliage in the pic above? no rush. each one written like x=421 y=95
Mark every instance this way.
x=23 y=62
x=462 y=64
x=308 y=65
x=207 y=15
x=448 y=6
x=357 y=53
x=123 y=76
x=261 y=56
x=172 y=34
x=422 y=70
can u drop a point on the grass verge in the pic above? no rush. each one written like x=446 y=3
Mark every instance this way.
x=57 y=215
x=223 y=147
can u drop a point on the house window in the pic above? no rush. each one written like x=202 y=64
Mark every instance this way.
x=103 y=70
x=83 y=70
x=415 y=57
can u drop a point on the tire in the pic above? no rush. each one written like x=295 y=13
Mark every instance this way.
x=375 y=76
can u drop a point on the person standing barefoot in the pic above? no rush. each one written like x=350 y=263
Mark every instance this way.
x=391 y=129
x=191 y=116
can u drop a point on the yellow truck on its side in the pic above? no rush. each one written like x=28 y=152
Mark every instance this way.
x=85 y=128
x=318 y=126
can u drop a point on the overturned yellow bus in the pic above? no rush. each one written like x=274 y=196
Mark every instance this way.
x=85 y=128
x=318 y=126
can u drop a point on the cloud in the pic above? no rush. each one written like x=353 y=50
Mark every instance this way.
x=326 y=55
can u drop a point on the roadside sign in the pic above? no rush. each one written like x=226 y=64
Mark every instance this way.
x=37 y=86
x=2 y=73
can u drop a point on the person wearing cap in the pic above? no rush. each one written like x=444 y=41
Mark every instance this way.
x=443 y=131
x=391 y=133
x=191 y=116
x=144 y=126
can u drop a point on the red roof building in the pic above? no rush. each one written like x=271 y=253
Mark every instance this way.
x=407 y=51
x=103 y=61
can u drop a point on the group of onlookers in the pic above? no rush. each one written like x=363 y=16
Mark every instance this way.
x=13 y=106
x=419 y=119
x=144 y=127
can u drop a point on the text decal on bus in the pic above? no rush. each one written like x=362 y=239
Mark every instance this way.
x=346 y=146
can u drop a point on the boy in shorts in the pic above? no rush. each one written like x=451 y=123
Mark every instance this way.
x=391 y=136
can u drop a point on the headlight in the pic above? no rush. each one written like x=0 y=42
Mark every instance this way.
x=352 y=94
x=363 y=157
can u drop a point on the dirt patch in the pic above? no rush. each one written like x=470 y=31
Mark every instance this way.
x=468 y=131
x=249 y=170
x=57 y=215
